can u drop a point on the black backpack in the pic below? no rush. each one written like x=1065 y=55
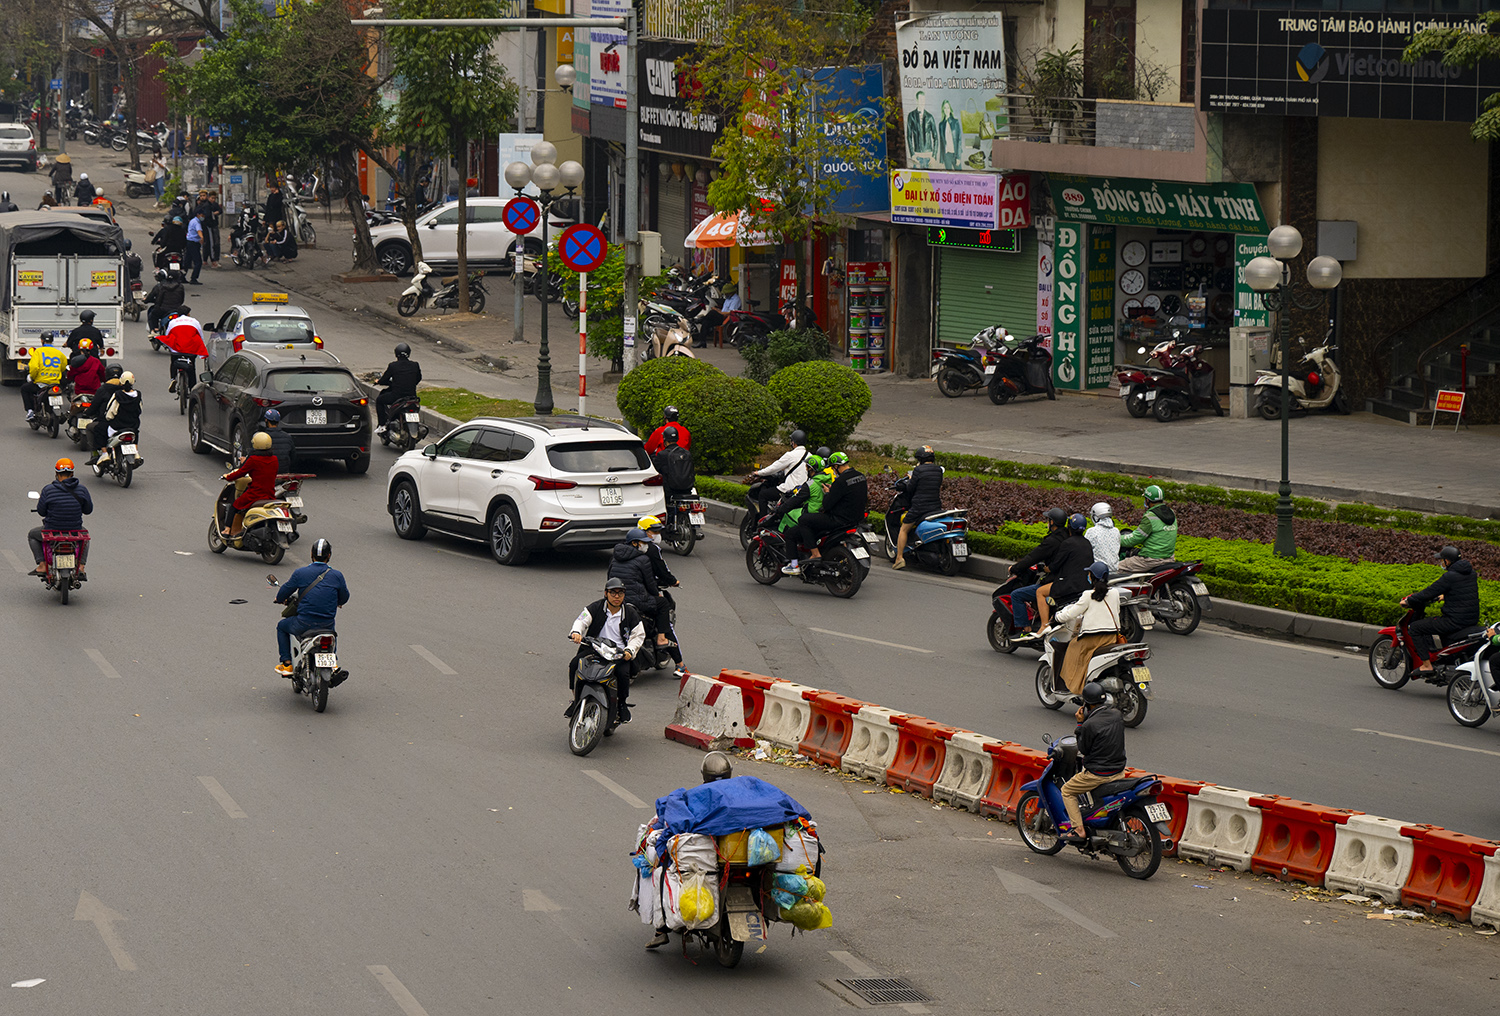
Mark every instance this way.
x=675 y=463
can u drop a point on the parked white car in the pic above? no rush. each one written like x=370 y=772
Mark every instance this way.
x=18 y=146
x=491 y=245
x=524 y=484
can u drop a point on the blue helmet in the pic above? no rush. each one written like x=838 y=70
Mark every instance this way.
x=273 y=416
x=1077 y=523
x=1099 y=570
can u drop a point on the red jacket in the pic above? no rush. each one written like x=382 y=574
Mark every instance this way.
x=261 y=468
x=656 y=442
x=87 y=377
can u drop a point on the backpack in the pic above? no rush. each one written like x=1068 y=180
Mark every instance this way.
x=675 y=464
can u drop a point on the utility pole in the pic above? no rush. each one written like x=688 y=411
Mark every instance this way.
x=631 y=298
x=518 y=274
x=62 y=93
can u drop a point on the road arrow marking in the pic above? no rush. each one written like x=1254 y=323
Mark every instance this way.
x=1423 y=740
x=90 y=909
x=29 y=984
x=397 y=990
x=1018 y=885
x=534 y=899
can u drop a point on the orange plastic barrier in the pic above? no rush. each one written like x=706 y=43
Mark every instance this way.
x=752 y=690
x=1174 y=794
x=1015 y=766
x=831 y=725
x=1447 y=869
x=1296 y=838
x=921 y=747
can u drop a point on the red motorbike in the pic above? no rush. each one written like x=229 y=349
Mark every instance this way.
x=1393 y=661
x=1000 y=629
x=1177 y=596
x=1180 y=381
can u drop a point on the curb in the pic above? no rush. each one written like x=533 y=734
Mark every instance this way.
x=1247 y=615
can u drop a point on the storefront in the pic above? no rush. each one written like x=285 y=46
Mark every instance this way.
x=985 y=278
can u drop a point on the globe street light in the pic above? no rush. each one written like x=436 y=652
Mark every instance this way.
x=1272 y=279
x=518 y=176
x=547 y=176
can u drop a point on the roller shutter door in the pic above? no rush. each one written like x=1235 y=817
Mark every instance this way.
x=977 y=289
x=671 y=219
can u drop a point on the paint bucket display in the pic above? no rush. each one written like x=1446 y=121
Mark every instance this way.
x=877 y=318
x=859 y=296
x=859 y=341
x=877 y=341
x=876 y=360
x=859 y=318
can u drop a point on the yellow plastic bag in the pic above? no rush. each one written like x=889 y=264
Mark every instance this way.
x=696 y=902
x=809 y=916
x=815 y=888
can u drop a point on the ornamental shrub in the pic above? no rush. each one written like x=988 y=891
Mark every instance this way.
x=729 y=417
x=825 y=399
x=654 y=385
x=781 y=350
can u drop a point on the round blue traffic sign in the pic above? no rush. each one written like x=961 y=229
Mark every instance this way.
x=582 y=247
x=521 y=215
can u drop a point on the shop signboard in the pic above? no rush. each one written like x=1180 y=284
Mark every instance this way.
x=1249 y=311
x=786 y=291
x=952 y=88
x=665 y=83
x=1163 y=204
x=966 y=200
x=1069 y=306
x=850 y=96
x=1004 y=241
x=1099 y=331
x=607 y=55
x=1045 y=226
x=1337 y=63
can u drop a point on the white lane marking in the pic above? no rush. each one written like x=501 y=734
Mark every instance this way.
x=90 y=909
x=856 y=966
x=1423 y=740
x=878 y=642
x=1262 y=640
x=102 y=663
x=397 y=990
x=200 y=486
x=614 y=788
x=442 y=668
x=15 y=562
x=222 y=796
x=1043 y=894
x=536 y=900
x=29 y=984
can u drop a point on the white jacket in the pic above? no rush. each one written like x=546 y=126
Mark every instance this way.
x=794 y=460
x=1088 y=616
x=1105 y=539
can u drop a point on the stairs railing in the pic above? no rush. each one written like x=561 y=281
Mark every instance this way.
x=1412 y=346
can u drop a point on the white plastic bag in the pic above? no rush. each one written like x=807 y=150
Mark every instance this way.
x=693 y=851
x=698 y=901
x=801 y=848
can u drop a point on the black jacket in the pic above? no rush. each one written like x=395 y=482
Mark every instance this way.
x=1043 y=553
x=1459 y=588
x=83 y=192
x=633 y=567
x=847 y=498
x=924 y=489
x=1069 y=567
x=64 y=503
x=84 y=332
x=675 y=464
x=664 y=576
x=171 y=237
x=282 y=446
x=167 y=296
x=401 y=377
x=1101 y=740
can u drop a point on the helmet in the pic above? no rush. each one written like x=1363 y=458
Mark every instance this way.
x=63 y=466
x=1099 y=570
x=177 y=220
x=126 y=377
x=402 y=350
x=1101 y=510
x=1056 y=516
x=261 y=441
x=113 y=371
x=670 y=435
x=926 y=454
x=85 y=344
x=4 y=195
x=161 y=275
x=76 y=360
x=127 y=243
x=82 y=177
x=273 y=416
x=799 y=437
x=669 y=414
x=98 y=192
x=1093 y=694
x=86 y=316
x=717 y=766
x=1077 y=523
x=838 y=459
x=614 y=582
x=637 y=536
x=824 y=451
x=47 y=337
x=1153 y=494
x=649 y=522
x=815 y=463
x=1448 y=554
x=322 y=550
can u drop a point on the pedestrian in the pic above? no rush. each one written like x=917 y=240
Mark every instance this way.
x=211 y=209
x=158 y=172
x=193 y=254
x=62 y=178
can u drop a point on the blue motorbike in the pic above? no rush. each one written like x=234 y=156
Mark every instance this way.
x=940 y=541
x=1122 y=818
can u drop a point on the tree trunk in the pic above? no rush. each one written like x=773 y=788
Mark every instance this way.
x=132 y=99
x=41 y=119
x=463 y=224
x=364 y=250
x=408 y=178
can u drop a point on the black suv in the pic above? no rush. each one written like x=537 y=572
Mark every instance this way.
x=322 y=407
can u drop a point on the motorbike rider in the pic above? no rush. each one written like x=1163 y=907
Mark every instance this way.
x=6 y=204
x=657 y=441
x=1156 y=536
x=85 y=371
x=1057 y=521
x=632 y=565
x=166 y=298
x=171 y=238
x=83 y=191
x=323 y=590
x=666 y=634
x=807 y=497
x=1103 y=536
x=100 y=201
x=400 y=380
x=1092 y=622
x=282 y=445
x=122 y=413
x=716 y=765
x=786 y=472
x=46 y=369
x=924 y=490
x=85 y=330
x=63 y=505
x=102 y=397
x=844 y=505
x=1458 y=590
x=675 y=464
x=1067 y=570
x=1101 y=747
x=612 y=620
x=260 y=466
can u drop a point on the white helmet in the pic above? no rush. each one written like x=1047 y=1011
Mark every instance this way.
x=1101 y=511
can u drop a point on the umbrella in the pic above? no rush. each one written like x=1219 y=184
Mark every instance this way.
x=726 y=229
x=185 y=335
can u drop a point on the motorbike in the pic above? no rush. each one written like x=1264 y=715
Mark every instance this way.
x=1122 y=818
x=1472 y=695
x=1120 y=669
x=1315 y=383
x=306 y=234
x=121 y=458
x=315 y=663
x=531 y=279
x=841 y=569
x=63 y=551
x=404 y=427
x=1135 y=612
x=78 y=419
x=667 y=342
x=268 y=527
x=1177 y=597
x=958 y=369
x=421 y=293
x=595 y=711
x=570 y=302
x=682 y=523
x=171 y=260
x=52 y=404
x=136 y=185
x=245 y=248
x=1031 y=371
x=1180 y=381
x=940 y=541
x=133 y=306
x=755 y=325
x=289 y=489
x=1393 y=661
x=1000 y=629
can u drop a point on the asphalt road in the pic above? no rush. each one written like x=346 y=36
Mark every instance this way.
x=183 y=835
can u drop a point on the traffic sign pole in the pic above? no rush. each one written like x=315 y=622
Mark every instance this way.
x=583 y=341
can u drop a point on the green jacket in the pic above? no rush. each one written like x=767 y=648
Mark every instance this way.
x=817 y=484
x=1156 y=536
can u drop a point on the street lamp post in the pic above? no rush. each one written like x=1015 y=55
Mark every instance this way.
x=1271 y=277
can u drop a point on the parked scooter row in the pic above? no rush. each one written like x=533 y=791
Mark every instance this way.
x=1005 y=366
x=1180 y=381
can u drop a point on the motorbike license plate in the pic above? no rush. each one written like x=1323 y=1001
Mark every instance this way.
x=695 y=518
x=1198 y=586
x=1142 y=675
x=874 y=539
x=413 y=417
x=63 y=561
x=329 y=660
x=611 y=495
x=317 y=417
x=1158 y=812
x=128 y=449
x=990 y=369
x=1151 y=395
x=295 y=502
x=960 y=550
x=860 y=553
x=57 y=401
x=284 y=525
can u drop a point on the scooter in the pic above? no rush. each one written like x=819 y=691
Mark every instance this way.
x=1315 y=383
x=1472 y=695
x=1181 y=381
x=756 y=326
x=1120 y=669
x=841 y=569
x=1000 y=630
x=63 y=552
x=1122 y=818
x=77 y=427
x=1031 y=371
x=940 y=541
x=958 y=369
x=421 y=293
x=51 y=409
x=1177 y=597
x=404 y=427
x=133 y=305
x=307 y=236
x=1393 y=661
x=268 y=527
x=121 y=458
x=595 y=711
x=682 y=523
x=315 y=663
x=668 y=342
x=136 y=184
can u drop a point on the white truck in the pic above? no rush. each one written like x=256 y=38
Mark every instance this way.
x=57 y=265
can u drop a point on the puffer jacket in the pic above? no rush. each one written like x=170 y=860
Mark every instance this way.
x=631 y=566
x=1156 y=536
x=1459 y=588
x=1069 y=567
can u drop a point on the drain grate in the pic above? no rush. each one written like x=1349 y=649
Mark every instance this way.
x=885 y=990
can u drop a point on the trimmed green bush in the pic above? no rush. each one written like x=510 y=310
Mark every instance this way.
x=781 y=350
x=729 y=417
x=651 y=387
x=823 y=398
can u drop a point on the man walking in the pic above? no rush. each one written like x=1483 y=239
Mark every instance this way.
x=193 y=255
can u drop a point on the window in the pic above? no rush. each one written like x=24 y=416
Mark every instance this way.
x=493 y=446
x=447 y=217
x=458 y=444
x=598 y=456
x=227 y=322
x=311 y=380
x=487 y=213
x=520 y=447
x=15 y=133
x=230 y=371
x=278 y=330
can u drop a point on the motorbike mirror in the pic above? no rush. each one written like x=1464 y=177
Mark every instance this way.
x=34 y=495
x=1047 y=739
x=430 y=451
x=272 y=579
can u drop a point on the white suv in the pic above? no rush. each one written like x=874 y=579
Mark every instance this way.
x=490 y=245
x=524 y=484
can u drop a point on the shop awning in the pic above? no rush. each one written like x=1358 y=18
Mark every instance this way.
x=1165 y=204
x=725 y=229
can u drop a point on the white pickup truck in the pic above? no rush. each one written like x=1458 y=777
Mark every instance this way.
x=56 y=266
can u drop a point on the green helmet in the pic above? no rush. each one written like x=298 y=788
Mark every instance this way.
x=1153 y=494
x=838 y=459
x=815 y=463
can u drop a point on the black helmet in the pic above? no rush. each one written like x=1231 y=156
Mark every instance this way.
x=926 y=454
x=824 y=451
x=1056 y=516
x=86 y=317
x=1077 y=523
x=614 y=582
x=161 y=275
x=799 y=437
x=113 y=370
x=322 y=550
x=670 y=435
x=637 y=535
x=669 y=414
x=127 y=243
x=402 y=350
x=717 y=766
x=1448 y=554
x=1093 y=694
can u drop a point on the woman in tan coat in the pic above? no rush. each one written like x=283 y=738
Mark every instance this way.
x=1094 y=620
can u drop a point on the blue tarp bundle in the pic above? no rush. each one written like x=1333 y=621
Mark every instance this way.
x=727 y=806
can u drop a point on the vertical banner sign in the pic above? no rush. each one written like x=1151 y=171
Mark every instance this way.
x=952 y=89
x=607 y=55
x=851 y=102
x=1099 y=347
x=1249 y=312
x=1069 y=304
x=1045 y=226
x=787 y=292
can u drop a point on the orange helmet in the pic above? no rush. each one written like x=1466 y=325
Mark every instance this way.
x=85 y=344
x=64 y=466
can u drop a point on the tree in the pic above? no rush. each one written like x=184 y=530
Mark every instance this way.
x=453 y=89
x=777 y=133
x=1461 y=47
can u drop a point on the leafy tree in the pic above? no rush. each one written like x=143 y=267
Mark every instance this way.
x=606 y=322
x=1462 y=48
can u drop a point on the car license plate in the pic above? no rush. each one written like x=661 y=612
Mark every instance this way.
x=128 y=449
x=1142 y=675
x=695 y=518
x=63 y=561
x=57 y=402
x=989 y=369
x=295 y=502
x=317 y=417
x=413 y=417
x=611 y=495
x=859 y=552
x=1158 y=812
x=1151 y=395
x=329 y=660
x=284 y=525
x=1198 y=586
x=960 y=550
